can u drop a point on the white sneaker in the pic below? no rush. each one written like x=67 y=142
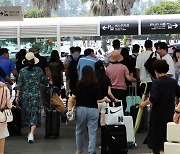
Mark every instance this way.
x=30 y=138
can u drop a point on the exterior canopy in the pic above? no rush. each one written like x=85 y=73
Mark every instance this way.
x=90 y=26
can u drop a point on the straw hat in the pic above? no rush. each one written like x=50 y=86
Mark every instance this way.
x=115 y=56
x=29 y=56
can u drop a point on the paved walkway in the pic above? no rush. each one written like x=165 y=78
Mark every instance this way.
x=65 y=144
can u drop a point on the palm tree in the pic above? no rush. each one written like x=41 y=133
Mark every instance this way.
x=47 y=5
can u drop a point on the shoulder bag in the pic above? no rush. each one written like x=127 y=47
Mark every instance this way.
x=5 y=114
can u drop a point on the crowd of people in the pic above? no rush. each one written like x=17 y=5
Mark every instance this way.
x=93 y=83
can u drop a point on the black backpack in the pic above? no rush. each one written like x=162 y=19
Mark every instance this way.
x=72 y=69
x=149 y=65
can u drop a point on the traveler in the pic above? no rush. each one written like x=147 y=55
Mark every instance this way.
x=4 y=100
x=87 y=60
x=28 y=94
x=43 y=64
x=7 y=64
x=56 y=67
x=162 y=50
x=117 y=73
x=71 y=67
x=162 y=98
x=87 y=95
x=116 y=46
x=141 y=72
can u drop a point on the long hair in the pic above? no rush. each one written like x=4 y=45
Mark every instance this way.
x=174 y=55
x=88 y=76
x=101 y=75
x=125 y=54
x=100 y=71
x=54 y=56
x=20 y=56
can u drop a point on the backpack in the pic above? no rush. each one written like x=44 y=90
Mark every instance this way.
x=72 y=71
x=56 y=72
x=149 y=65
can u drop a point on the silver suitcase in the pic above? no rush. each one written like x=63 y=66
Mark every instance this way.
x=173 y=132
x=171 y=148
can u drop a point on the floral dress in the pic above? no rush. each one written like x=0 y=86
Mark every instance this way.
x=29 y=85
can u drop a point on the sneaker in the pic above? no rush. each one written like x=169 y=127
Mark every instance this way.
x=30 y=138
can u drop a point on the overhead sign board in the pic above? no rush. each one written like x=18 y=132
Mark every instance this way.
x=11 y=13
x=160 y=26
x=119 y=27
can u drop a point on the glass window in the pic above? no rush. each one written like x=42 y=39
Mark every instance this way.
x=11 y=45
x=46 y=45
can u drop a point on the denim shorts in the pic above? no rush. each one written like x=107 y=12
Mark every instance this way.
x=4 y=134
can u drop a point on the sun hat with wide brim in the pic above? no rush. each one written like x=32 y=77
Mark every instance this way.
x=115 y=56
x=29 y=56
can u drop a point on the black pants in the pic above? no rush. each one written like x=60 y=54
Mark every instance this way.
x=120 y=95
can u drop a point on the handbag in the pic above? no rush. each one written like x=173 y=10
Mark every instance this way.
x=5 y=114
x=57 y=103
x=114 y=115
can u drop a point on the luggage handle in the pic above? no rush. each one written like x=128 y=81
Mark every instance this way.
x=134 y=92
x=113 y=103
x=119 y=101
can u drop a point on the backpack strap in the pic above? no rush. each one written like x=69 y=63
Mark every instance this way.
x=151 y=55
x=2 y=98
x=71 y=57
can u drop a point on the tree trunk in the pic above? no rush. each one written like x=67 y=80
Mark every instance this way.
x=104 y=43
x=47 y=11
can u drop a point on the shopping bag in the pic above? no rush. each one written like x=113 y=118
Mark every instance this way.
x=114 y=115
x=57 y=103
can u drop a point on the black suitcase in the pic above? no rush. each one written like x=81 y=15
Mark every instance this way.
x=52 y=127
x=113 y=139
x=48 y=97
x=144 y=121
x=14 y=127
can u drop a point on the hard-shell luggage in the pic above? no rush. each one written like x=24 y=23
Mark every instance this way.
x=113 y=139
x=145 y=117
x=171 y=148
x=49 y=91
x=173 y=132
x=132 y=99
x=52 y=127
x=128 y=122
x=14 y=127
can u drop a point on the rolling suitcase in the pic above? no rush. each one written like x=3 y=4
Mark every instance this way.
x=128 y=122
x=173 y=132
x=145 y=117
x=14 y=127
x=113 y=139
x=171 y=148
x=52 y=127
x=132 y=99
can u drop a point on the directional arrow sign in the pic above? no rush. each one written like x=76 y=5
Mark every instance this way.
x=118 y=26
x=160 y=26
x=11 y=13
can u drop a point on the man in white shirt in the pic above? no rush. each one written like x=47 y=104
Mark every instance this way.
x=116 y=46
x=142 y=73
x=162 y=50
